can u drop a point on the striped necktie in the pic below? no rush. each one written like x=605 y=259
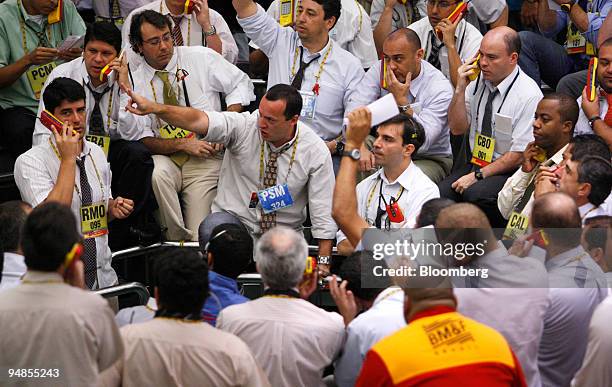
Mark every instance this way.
x=268 y=221
x=90 y=254
x=177 y=35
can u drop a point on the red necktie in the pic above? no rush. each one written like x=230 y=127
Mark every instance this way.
x=608 y=117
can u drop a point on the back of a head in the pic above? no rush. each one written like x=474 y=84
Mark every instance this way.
x=428 y=297
x=12 y=218
x=231 y=247
x=463 y=223
x=584 y=145
x=49 y=233
x=557 y=215
x=430 y=211
x=596 y=171
x=181 y=279
x=281 y=255
x=357 y=270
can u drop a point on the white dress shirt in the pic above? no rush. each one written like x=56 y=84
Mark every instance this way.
x=400 y=15
x=190 y=29
x=339 y=79
x=596 y=370
x=102 y=8
x=36 y=173
x=518 y=110
x=414 y=187
x=467 y=37
x=76 y=70
x=13 y=269
x=589 y=210
x=209 y=75
x=582 y=125
x=575 y=269
x=291 y=339
x=429 y=96
x=352 y=30
x=311 y=180
x=521 y=323
x=386 y=316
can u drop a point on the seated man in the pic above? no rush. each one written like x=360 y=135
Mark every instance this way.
x=553 y=128
x=293 y=168
x=70 y=170
x=398 y=184
x=460 y=40
x=12 y=217
x=130 y=161
x=293 y=340
x=545 y=60
x=186 y=168
x=474 y=355
x=66 y=333
x=597 y=241
x=229 y=250
x=499 y=127
x=28 y=52
x=596 y=116
x=578 y=286
x=201 y=28
x=421 y=92
x=176 y=348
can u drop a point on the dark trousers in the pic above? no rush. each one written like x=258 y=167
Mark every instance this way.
x=132 y=167
x=16 y=128
x=482 y=193
x=573 y=84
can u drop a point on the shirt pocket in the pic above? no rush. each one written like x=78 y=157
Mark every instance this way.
x=503 y=133
x=330 y=102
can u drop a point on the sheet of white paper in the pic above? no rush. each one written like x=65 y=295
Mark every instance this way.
x=71 y=41
x=382 y=109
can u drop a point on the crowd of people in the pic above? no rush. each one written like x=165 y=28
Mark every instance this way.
x=133 y=118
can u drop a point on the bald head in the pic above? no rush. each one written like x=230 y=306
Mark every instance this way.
x=557 y=214
x=408 y=35
x=462 y=215
x=281 y=255
x=506 y=35
x=499 y=51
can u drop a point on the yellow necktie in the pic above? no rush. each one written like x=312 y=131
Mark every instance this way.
x=179 y=158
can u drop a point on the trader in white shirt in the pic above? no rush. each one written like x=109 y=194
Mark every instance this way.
x=460 y=40
x=421 y=92
x=12 y=218
x=392 y=197
x=203 y=27
x=186 y=168
x=496 y=110
x=115 y=11
x=326 y=75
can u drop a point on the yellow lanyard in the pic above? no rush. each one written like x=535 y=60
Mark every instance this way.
x=188 y=25
x=316 y=87
x=261 y=159
x=178 y=91
x=371 y=195
x=24 y=40
x=59 y=157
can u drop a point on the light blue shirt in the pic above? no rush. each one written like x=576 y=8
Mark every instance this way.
x=596 y=17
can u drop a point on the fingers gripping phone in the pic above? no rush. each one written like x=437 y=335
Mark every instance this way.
x=476 y=62
x=459 y=11
x=50 y=121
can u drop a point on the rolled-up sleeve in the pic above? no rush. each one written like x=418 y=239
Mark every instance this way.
x=264 y=31
x=562 y=20
x=434 y=115
x=596 y=19
x=320 y=192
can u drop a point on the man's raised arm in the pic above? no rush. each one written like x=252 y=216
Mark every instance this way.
x=183 y=117
x=244 y=8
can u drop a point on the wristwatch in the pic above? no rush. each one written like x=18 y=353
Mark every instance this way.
x=567 y=7
x=210 y=32
x=323 y=260
x=355 y=154
x=339 y=148
x=403 y=108
x=478 y=174
x=592 y=120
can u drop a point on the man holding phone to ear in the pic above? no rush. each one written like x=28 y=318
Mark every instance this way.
x=71 y=170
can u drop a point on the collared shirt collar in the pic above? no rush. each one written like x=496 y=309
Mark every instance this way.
x=433 y=311
x=565 y=258
x=166 y=11
x=42 y=276
x=171 y=67
x=585 y=209
x=503 y=86
x=385 y=294
x=557 y=158
x=36 y=19
x=288 y=144
x=14 y=263
x=309 y=55
x=405 y=179
x=87 y=78
x=86 y=147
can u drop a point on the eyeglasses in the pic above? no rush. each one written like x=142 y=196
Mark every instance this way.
x=156 y=41
x=441 y=4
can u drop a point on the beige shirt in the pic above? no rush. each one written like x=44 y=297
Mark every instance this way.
x=169 y=352
x=292 y=339
x=47 y=324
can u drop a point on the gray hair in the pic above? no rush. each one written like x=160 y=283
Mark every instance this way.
x=281 y=255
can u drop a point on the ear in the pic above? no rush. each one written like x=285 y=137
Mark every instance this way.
x=294 y=120
x=209 y=259
x=408 y=150
x=567 y=127
x=597 y=254
x=329 y=23
x=420 y=53
x=514 y=58
x=584 y=189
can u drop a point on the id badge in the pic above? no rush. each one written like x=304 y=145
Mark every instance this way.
x=275 y=198
x=94 y=222
x=516 y=227
x=576 y=42
x=482 y=155
x=169 y=132
x=101 y=141
x=37 y=77
x=309 y=104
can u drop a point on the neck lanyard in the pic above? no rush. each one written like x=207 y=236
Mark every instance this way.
x=286 y=293
x=110 y=105
x=484 y=87
x=177 y=92
x=22 y=26
x=262 y=153
x=76 y=188
x=395 y=291
x=316 y=87
x=188 y=24
x=380 y=195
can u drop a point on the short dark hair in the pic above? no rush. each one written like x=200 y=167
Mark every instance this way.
x=513 y=42
x=330 y=8
x=411 y=37
x=49 y=233
x=596 y=234
x=596 y=171
x=358 y=267
x=231 y=246
x=568 y=107
x=105 y=32
x=152 y=17
x=290 y=95
x=430 y=211
x=585 y=145
x=181 y=278
x=62 y=89
x=413 y=132
x=12 y=218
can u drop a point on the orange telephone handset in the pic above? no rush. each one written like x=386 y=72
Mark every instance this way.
x=188 y=9
x=591 y=79
x=476 y=62
x=458 y=12
x=383 y=73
